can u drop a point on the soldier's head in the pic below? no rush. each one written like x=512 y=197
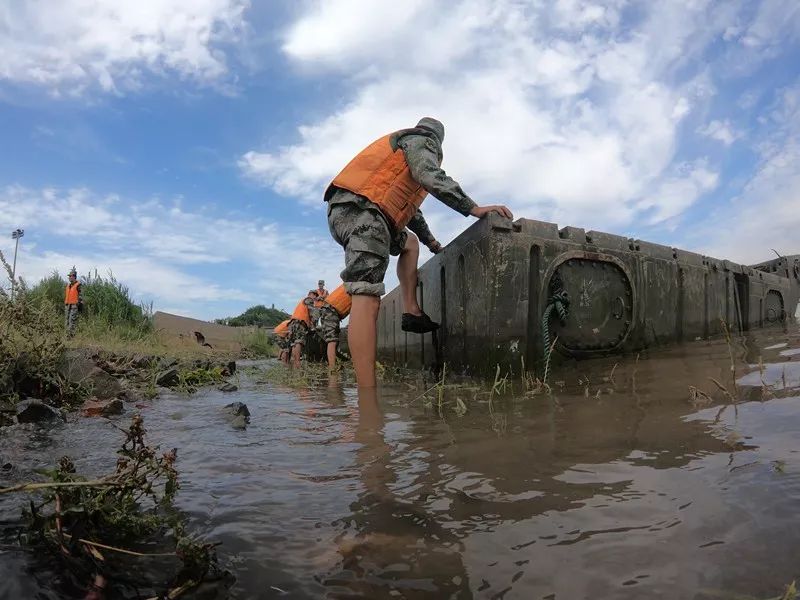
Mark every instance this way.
x=73 y=275
x=434 y=126
x=321 y=283
x=312 y=294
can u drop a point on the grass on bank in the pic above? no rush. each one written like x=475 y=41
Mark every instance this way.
x=257 y=344
x=33 y=336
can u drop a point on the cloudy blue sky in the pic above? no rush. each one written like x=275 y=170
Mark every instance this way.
x=185 y=144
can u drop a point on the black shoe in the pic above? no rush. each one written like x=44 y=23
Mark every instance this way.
x=418 y=324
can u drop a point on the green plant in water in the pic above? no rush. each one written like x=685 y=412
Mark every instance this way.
x=533 y=385
x=86 y=522
x=191 y=379
x=790 y=593
x=257 y=344
x=309 y=374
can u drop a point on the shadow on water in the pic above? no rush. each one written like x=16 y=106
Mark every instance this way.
x=622 y=483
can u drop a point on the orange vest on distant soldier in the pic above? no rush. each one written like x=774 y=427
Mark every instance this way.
x=340 y=301
x=282 y=328
x=383 y=177
x=71 y=293
x=301 y=313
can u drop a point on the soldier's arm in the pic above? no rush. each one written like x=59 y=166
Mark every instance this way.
x=419 y=226
x=80 y=293
x=423 y=157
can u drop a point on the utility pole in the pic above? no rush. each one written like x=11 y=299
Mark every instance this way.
x=15 y=235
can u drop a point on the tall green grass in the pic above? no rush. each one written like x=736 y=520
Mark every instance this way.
x=257 y=343
x=107 y=306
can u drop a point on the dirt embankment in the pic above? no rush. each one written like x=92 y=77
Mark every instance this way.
x=194 y=331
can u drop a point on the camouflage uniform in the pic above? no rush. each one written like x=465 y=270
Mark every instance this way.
x=360 y=227
x=314 y=310
x=282 y=342
x=70 y=318
x=329 y=324
x=71 y=313
x=298 y=331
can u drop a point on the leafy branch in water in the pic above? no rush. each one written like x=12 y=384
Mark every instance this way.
x=93 y=524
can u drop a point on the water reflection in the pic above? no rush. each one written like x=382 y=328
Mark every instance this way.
x=621 y=484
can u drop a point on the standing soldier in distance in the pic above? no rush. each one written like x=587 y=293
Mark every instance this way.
x=337 y=307
x=322 y=293
x=73 y=302
x=370 y=204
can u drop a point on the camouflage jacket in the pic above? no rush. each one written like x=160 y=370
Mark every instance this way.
x=424 y=156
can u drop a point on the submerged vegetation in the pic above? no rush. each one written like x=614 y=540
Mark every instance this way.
x=100 y=527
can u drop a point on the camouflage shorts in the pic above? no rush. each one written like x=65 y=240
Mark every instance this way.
x=314 y=313
x=282 y=342
x=367 y=241
x=329 y=325
x=298 y=331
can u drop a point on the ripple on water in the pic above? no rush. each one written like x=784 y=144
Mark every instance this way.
x=611 y=489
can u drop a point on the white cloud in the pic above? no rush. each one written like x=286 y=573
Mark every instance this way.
x=766 y=214
x=722 y=131
x=675 y=194
x=72 y=46
x=158 y=248
x=554 y=108
x=774 y=20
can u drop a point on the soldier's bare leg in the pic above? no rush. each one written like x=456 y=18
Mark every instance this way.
x=331 y=355
x=297 y=349
x=362 y=336
x=407 y=274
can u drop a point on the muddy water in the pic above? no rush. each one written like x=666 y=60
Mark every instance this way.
x=618 y=485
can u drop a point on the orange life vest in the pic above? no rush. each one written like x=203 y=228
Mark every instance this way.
x=282 y=328
x=320 y=301
x=301 y=313
x=383 y=177
x=340 y=301
x=71 y=293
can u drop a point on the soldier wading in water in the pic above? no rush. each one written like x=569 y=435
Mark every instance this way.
x=370 y=204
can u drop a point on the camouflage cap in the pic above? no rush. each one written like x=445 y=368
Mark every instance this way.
x=73 y=272
x=434 y=126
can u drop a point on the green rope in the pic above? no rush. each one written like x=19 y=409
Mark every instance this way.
x=559 y=302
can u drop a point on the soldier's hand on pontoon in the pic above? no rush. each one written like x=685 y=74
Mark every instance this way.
x=482 y=211
x=435 y=247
